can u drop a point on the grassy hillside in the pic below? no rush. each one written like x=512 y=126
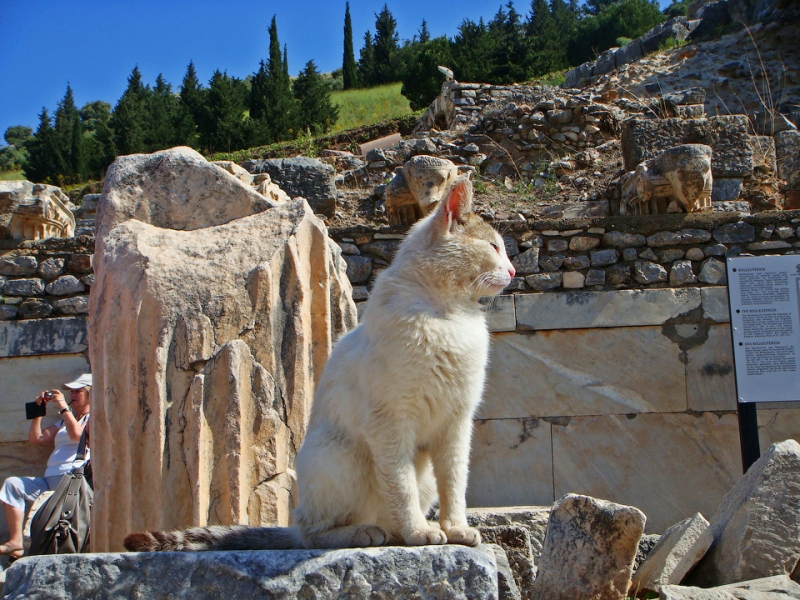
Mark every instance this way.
x=364 y=107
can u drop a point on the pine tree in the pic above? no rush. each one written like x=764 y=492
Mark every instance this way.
x=163 y=112
x=191 y=110
x=69 y=137
x=385 y=46
x=46 y=165
x=313 y=94
x=470 y=50
x=366 y=62
x=129 y=119
x=424 y=34
x=224 y=129
x=422 y=80
x=349 y=73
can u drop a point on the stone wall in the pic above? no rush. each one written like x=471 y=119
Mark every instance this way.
x=612 y=368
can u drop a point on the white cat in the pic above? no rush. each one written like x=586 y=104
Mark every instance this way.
x=391 y=422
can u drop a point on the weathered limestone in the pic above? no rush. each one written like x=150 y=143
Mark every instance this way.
x=779 y=587
x=710 y=379
x=588 y=550
x=677 y=551
x=756 y=528
x=677 y=180
x=31 y=211
x=623 y=458
x=211 y=320
x=65 y=335
x=417 y=187
x=435 y=572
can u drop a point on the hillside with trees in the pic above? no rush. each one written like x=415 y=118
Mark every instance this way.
x=229 y=113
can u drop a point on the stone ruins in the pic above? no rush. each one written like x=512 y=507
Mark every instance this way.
x=605 y=461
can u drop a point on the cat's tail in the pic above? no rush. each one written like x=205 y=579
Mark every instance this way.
x=216 y=537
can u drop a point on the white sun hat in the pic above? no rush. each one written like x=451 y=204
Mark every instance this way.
x=81 y=382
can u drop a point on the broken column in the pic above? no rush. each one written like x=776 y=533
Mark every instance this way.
x=213 y=313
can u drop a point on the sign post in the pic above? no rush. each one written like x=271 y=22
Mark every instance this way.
x=764 y=299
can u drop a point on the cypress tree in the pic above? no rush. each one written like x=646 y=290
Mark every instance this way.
x=470 y=51
x=313 y=94
x=279 y=103
x=349 y=73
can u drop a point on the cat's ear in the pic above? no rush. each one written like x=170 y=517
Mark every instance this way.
x=457 y=204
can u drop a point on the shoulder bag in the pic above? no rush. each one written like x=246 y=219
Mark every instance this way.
x=61 y=526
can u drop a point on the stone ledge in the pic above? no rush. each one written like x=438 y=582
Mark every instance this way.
x=624 y=308
x=394 y=572
x=43 y=336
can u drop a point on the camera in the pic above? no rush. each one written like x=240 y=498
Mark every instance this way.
x=48 y=395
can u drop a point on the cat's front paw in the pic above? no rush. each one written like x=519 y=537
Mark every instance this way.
x=467 y=536
x=425 y=537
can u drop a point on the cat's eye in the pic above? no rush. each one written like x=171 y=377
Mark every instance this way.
x=495 y=246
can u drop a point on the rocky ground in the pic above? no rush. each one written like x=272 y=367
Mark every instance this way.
x=749 y=71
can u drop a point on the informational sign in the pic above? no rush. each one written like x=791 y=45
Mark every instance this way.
x=764 y=295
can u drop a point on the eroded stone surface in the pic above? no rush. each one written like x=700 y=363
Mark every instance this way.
x=756 y=528
x=588 y=550
x=436 y=572
x=778 y=587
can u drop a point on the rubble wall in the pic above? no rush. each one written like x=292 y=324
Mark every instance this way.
x=611 y=370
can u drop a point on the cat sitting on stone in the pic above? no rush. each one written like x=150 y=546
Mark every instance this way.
x=391 y=421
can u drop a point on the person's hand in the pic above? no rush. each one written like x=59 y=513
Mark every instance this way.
x=52 y=396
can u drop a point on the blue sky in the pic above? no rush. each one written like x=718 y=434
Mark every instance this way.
x=94 y=45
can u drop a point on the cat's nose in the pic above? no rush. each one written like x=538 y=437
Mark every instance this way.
x=512 y=271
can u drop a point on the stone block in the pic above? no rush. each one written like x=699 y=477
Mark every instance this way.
x=435 y=572
x=778 y=422
x=23 y=378
x=710 y=378
x=66 y=335
x=511 y=463
x=734 y=233
x=552 y=379
x=588 y=550
x=18 y=266
x=573 y=280
x=677 y=551
x=715 y=304
x=728 y=137
x=513 y=551
x=667 y=465
x=606 y=62
x=533 y=518
x=64 y=286
x=526 y=263
x=622 y=308
x=676 y=28
x=24 y=287
x=755 y=526
x=500 y=313
x=779 y=587
x=359 y=268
